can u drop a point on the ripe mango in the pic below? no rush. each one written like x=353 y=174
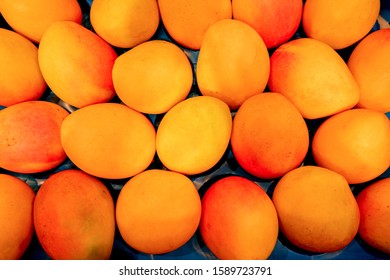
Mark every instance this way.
x=233 y=62
x=74 y=217
x=109 y=140
x=76 y=64
x=125 y=24
x=276 y=21
x=369 y=63
x=187 y=21
x=339 y=23
x=20 y=76
x=239 y=220
x=316 y=208
x=194 y=135
x=31 y=18
x=314 y=77
x=30 y=139
x=16 y=217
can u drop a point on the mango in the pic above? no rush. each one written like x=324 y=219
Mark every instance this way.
x=339 y=23
x=354 y=143
x=239 y=220
x=276 y=21
x=109 y=140
x=233 y=63
x=30 y=136
x=368 y=63
x=152 y=77
x=269 y=136
x=74 y=217
x=374 y=206
x=193 y=136
x=316 y=208
x=77 y=64
x=314 y=77
x=158 y=211
x=31 y=18
x=20 y=76
x=186 y=21
x=125 y=24
x=16 y=217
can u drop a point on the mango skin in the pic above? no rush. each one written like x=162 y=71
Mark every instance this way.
x=374 y=202
x=30 y=136
x=16 y=217
x=187 y=21
x=368 y=63
x=276 y=21
x=316 y=208
x=20 y=76
x=239 y=220
x=314 y=77
x=31 y=18
x=125 y=24
x=74 y=217
x=77 y=64
x=339 y=24
x=109 y=140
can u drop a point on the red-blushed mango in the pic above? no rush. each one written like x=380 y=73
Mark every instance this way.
x=77 y=64
x=374 y=206
x=239 y=220
x=354 y=143
x=158 y=211
x=314 y=77
x=276 y=21
x=152 y=77
x=74 y=217
x=187 y=21
x=194 y=135
x=109 y=140
x=339 y=23
x=269 y=136
x=125 y=23
x=316 y=208
x=369 y=63
x=31 y=18
x=20 y=76
x=30 y=136
x=233 y=62
x=16 y=217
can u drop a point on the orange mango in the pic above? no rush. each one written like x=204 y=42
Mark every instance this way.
x=77 y=64
x=314 y=77
x=30 y=136
x=20 y=76
x=158 y=211
x=74 y=217
x=109 y=140
x=16 y=217
x=187 y=21
x=233 y=62
x=31 y=18
x=368 y=63
x=316 y=208
x=269 y=136
x=125 y=23
x=339 y=23
x=354 y=143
